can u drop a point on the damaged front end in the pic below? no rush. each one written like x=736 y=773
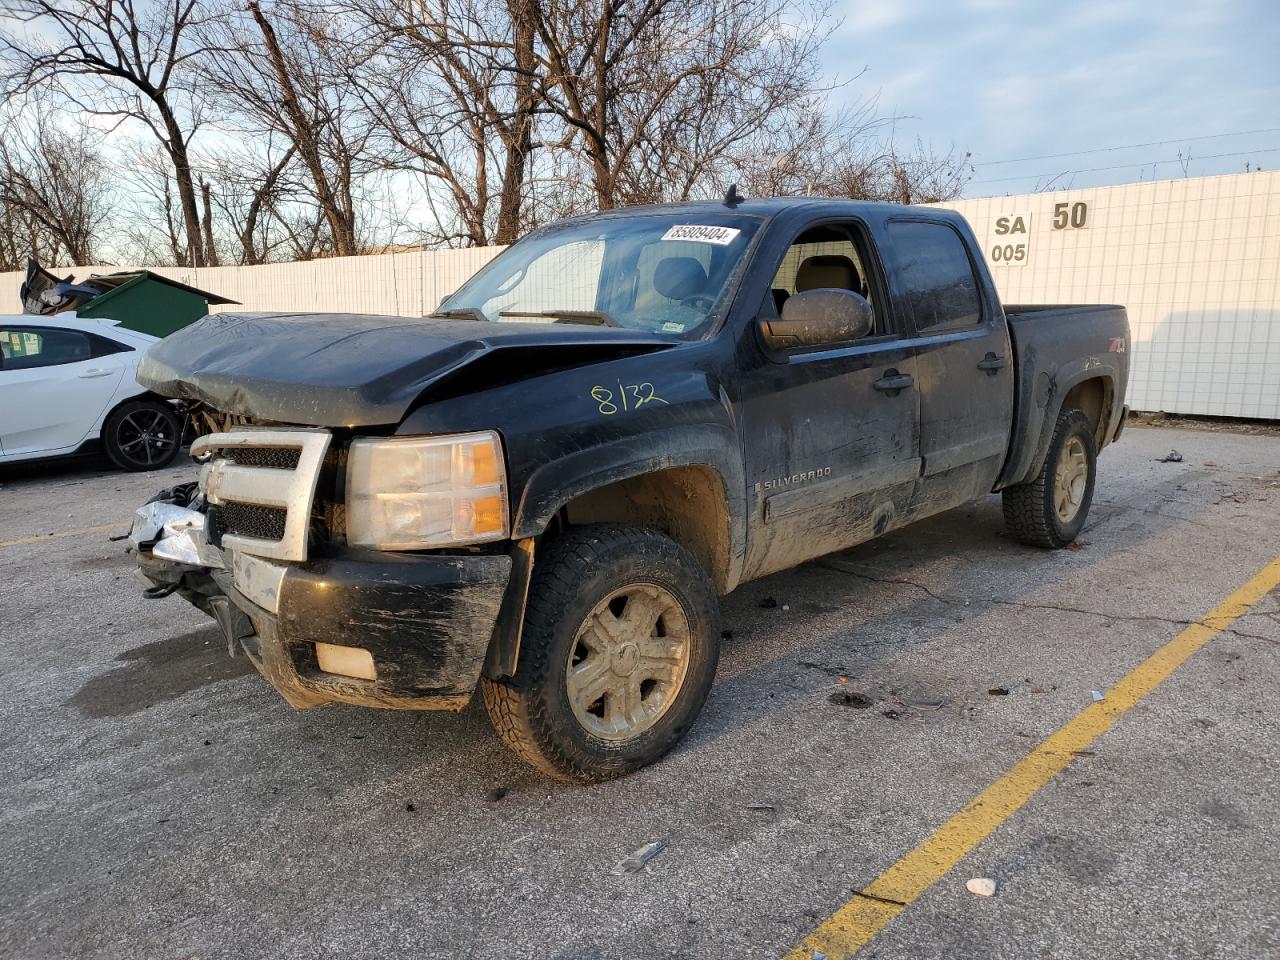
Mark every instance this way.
x=168 y=540
x=257 y=544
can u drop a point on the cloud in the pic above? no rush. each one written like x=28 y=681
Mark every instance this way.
x=870 y=16
x=1008 y=79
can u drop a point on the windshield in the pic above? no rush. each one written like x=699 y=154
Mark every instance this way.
x=667 y=273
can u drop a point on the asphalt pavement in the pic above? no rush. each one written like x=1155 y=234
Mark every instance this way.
x=160 y=800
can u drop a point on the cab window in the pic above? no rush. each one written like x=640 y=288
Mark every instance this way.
x=829 y=256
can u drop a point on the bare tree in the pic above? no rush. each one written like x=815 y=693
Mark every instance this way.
x=152 y=228
x=256 y=194
x=288 y=70
x=123 y=59
x=54 y=193
x=453 y=89
x=658 y=97
x=853 y=154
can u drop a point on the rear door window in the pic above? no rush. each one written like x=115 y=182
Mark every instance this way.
x=936 y=276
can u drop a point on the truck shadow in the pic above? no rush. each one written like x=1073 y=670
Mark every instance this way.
x=861 y=610
x=160 y=671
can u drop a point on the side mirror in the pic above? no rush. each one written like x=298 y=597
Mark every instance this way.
x=817 y=317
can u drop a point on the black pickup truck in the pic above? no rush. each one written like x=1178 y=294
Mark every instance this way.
x=542 y=488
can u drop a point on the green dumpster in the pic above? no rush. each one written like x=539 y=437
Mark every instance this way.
x=137 y=299
x=148 y=302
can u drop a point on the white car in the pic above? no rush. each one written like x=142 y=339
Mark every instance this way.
x=68 y=384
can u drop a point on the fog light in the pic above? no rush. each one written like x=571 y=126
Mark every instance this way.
x=346 y=661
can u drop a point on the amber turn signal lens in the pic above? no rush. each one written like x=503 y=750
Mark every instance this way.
x=487 y=515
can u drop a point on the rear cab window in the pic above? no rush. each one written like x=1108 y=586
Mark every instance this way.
x=936 y=278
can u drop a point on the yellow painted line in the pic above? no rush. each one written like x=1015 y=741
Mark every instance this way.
x=120 y=526
x=847 y=930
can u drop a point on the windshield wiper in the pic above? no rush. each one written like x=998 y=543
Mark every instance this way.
x=595 y=318
x=461 y=313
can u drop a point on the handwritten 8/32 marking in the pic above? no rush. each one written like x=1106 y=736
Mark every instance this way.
x=641 y=393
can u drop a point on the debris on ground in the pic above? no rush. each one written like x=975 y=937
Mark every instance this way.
x=768 y=603
x=762 y=806
x=1097 y=696
x=1173 y=456
x=410 y=807
x=998 y=692
x=638 y=860
x=843 y=678
x=851 y=698
x=981 y=887
x=1075 y=545
x=891 y=714
x=497 y=793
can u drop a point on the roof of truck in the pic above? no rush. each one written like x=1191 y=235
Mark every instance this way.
x=765 y=207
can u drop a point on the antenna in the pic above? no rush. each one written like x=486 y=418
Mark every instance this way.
x=731 y=199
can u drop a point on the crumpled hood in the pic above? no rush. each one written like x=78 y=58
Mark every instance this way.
x=341 y=369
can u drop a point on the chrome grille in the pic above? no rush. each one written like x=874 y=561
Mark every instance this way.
x=261 y=484
x=278 y=458
x=246 y=520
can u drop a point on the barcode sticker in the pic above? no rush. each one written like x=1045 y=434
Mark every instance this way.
x=720 y=236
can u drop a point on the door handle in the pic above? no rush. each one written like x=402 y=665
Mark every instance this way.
x=893 y=381
x=95 y=372
x=991 y=363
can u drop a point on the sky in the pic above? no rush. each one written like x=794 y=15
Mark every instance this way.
x=1009 y=81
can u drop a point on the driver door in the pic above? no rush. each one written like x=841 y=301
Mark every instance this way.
x=830 y=434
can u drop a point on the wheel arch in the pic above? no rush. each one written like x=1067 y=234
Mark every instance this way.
x=686 y=483
x=1091 y=391
x=132 y=398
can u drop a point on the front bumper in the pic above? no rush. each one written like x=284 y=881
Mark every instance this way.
x=426 y=621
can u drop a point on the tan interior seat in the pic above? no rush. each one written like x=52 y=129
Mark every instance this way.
x=828 y=271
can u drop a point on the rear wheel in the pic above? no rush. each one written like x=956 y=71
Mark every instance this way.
x=1051 y=510
x=142 y=435
x=617 y=656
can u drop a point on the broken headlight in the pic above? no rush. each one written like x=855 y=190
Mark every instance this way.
x=411 y=493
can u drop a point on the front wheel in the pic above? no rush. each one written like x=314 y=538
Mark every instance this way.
x=1050 y=511
x=142 y=435
x=617 y=656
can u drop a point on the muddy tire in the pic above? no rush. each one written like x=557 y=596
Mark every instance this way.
x=142 y=435
x=619 y=650
x=1051 y=510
